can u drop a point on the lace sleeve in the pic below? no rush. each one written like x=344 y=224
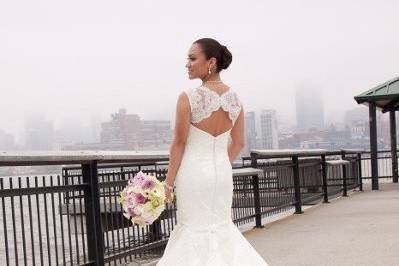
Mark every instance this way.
x=202 y=104
x=235 y=107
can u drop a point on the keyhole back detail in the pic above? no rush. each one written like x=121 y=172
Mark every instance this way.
x=213 y=113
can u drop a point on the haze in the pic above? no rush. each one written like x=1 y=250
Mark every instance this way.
x=78 y=61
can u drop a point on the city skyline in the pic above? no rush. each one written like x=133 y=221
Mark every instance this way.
x=124 y=130
x=75 y=69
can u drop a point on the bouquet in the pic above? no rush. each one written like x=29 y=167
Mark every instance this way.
x=143 y=199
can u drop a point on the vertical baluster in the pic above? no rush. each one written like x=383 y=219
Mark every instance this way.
x=22 y=221
x=3 y=205
x=54 y=222
x=39 y=223
x=46 y=221
x=110 y=213
x=75 y=224
x=32 y=238
x=61 y=222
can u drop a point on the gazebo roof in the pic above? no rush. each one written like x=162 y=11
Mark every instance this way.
x=385 y=96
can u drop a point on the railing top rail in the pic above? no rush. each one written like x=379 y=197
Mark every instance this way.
x=337 y=162
x=347 y=151
x=77 y=157
x=280 y=153
x=246 y=171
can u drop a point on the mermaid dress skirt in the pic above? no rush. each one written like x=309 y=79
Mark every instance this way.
x=205 y=234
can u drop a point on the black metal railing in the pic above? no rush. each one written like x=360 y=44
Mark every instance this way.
x=384 y=162
x=74 y=219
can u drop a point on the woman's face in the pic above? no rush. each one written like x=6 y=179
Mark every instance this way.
x=197 y=64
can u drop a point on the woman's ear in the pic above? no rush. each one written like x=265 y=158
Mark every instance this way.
x=212 y=63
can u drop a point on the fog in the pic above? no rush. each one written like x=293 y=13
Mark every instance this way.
x=78 y=61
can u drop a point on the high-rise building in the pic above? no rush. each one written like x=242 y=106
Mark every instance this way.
x=309 y=109
x=250 y=132
x=268 y=129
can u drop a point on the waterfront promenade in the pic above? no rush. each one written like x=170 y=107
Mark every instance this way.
x=361 y=229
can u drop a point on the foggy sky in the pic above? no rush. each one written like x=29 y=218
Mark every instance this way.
x=79 y=61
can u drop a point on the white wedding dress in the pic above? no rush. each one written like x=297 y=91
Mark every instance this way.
x=205 y=234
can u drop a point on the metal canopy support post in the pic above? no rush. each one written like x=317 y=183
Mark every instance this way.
x=373 y=145
x=392 y=123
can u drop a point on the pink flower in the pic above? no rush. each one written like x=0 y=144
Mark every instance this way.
x=137 y=179
x=148 y=221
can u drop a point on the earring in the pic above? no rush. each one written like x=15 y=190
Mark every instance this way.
x=209 y=71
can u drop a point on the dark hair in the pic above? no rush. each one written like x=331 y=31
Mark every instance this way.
x=213 y=48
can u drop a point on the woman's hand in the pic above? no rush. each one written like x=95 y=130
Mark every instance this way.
x=168 y=192
x=169 y=195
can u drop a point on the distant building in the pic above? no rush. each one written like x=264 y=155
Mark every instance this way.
x=128 y=132
x=329 y=139
x=309 y=109
x=356 y=115
x=250 y=132
x=156 y=133
x=357 y=123
x=7 y=141
x=123 y=129
x=268 y=129
x=39 y=133
x=359 y=130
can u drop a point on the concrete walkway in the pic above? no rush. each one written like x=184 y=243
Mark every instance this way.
x=362 y=229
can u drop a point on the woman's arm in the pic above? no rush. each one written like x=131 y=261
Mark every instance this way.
x=237 y=137
x=182 y=123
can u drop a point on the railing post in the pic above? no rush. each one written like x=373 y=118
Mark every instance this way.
x=394 y=154
x=359 y=163
x=254 y=160
x=297 y=189
x=65 y=176
x=95 y=241
x=344 y=185
x=258 y=216
x=255 y=185
x=324 y=176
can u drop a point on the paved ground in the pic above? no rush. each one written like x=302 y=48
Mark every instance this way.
x=362 y=229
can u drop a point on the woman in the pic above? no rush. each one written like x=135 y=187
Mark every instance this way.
x=200 y=167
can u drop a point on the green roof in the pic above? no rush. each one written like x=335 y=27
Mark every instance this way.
x=385 y=96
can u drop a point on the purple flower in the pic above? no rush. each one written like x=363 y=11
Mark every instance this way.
x=147 y=184
x=139 y=198
x=131 y=212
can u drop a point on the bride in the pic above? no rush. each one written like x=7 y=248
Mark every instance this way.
x=208 y=136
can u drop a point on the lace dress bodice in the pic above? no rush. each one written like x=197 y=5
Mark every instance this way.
x=204 y=101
